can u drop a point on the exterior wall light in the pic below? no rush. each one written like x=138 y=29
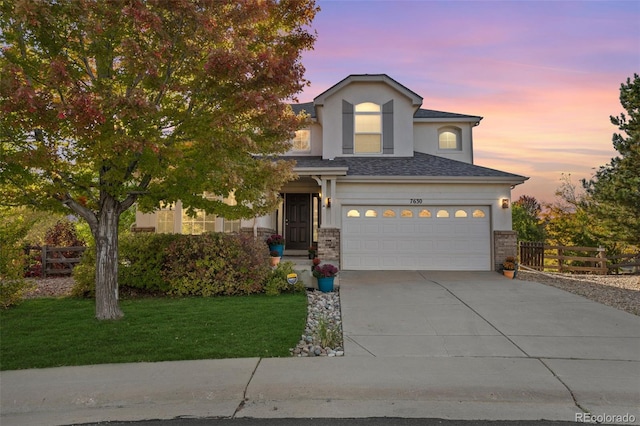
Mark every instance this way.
x=328 y=201
x=505 y=203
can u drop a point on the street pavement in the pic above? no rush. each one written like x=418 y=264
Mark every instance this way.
x=418 y=344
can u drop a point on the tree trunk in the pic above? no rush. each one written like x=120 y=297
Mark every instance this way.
x=106 y=237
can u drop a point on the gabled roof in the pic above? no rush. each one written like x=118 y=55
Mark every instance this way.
x=307 y=106
x=432 y=115
x=422 y=114
x=421 y=165
x=415 y=98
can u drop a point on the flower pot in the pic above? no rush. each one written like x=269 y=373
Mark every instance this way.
x=274 y=261
x=277 y=247
x=325 y=284
x=509 y=273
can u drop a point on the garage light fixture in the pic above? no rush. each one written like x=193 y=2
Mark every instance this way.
x=505 y=203
x=328 y=201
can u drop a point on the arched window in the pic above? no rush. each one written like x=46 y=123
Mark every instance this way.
x=478 y=213
x=389 y=213
x=371 y=213
x=353 y=213
x=368 y=128
x=424 y=213
x=449 y=138
x=442 y=213
x=461 y=213
x=406 y=213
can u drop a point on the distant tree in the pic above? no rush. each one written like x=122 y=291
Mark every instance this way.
x=106 y=103
x=614 y=190
x=567 y=222
x=525 y=214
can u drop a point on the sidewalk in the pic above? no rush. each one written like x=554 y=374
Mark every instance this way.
x=438 y=345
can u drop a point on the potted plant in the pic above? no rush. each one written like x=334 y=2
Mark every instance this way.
x=325 y=274
x=275 y=257
x=312 y=252
x=315 y=262
x=276 y=242
x=509 y=267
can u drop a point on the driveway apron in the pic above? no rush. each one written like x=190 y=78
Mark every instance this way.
x=591 y=349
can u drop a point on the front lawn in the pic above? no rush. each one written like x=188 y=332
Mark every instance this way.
x=41 y=333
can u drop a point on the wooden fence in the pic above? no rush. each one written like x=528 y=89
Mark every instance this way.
x=57 y=260
x=539 y=256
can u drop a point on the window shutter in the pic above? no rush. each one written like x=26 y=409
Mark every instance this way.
x=387 y=128
x=347 y=127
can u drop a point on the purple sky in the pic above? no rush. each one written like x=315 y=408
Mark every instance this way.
x=545 y=75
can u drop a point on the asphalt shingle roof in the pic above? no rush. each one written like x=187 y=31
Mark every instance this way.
x=420 y=164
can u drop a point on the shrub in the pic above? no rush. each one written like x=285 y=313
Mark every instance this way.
x=215 y=264
x=63 y=234
x=140 y=261
x=13 y=228
x=12 y=284
x=84 y=274
x=277 y=282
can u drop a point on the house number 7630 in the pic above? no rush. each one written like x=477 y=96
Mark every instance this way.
x=416 y=200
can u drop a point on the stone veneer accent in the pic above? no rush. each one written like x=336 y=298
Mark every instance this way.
x=329 y=243
x=505 y=243
x=263 y=233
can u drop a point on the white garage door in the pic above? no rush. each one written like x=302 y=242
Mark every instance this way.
x=416 y=238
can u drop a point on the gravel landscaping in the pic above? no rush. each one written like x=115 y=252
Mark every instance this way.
x=619 y=291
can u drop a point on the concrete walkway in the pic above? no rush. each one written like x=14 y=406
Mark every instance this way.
x=458 y=345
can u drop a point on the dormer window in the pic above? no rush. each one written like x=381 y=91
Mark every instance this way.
x=368 y=128
x=301 y=141
x=449 y=139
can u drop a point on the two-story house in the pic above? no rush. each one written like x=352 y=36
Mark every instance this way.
x=383 y=184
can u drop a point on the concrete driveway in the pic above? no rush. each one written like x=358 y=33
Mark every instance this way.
x=474 y=324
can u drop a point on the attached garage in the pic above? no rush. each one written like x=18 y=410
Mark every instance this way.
x=416 y=238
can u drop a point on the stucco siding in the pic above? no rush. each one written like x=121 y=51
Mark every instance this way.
x=426 y=140
x=356 y=93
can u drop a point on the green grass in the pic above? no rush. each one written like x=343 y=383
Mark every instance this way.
x=41 y=333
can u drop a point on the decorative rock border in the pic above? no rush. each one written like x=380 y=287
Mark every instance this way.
x=323 y=317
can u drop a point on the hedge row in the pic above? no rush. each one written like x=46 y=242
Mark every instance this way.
x=212 y=264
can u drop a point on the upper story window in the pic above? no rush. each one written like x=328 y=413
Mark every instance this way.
x=449 y=138
x=301 y=141
x=368 y=128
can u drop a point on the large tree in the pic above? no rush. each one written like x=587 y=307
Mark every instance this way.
x=614 y=190
x=110 y=103
x=525 y=213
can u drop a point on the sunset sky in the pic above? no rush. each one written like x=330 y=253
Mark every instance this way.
x=545 y=75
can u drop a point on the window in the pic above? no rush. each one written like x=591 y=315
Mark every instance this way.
x=461 y=213
x=229 y=225
x=449 y=138
x=424 y=213
x=353 y=213
x=389 y=213
x=442 y=213
x=368 y=128
x=371 y=213
x=301 y=142
x=478 y=213
x=406 y=213
x=199 y=224
x=166 y=218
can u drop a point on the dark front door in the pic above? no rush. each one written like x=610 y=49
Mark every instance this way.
x=297 y=221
